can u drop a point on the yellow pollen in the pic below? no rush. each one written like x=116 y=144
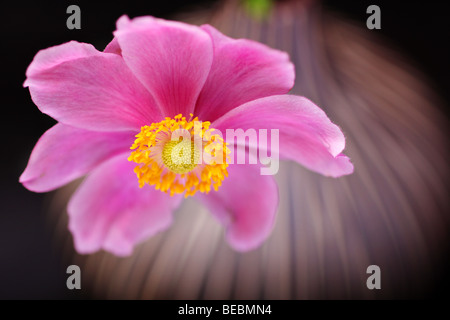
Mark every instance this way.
x=178 y=155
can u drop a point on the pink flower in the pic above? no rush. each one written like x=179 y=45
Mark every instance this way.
x=129 y=96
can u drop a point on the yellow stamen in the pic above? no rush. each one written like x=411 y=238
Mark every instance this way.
x=174 y=164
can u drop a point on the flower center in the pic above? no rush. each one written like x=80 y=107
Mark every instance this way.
x=178 y=155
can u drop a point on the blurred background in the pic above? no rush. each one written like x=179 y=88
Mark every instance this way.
x=389 y=91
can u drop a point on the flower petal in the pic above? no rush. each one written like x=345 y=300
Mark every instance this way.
x=65 y=153
x=306 y=135
x=172 y=60
x=109 y=211
x=245 y=204
x=242 y=71
x=80 y=86
x=113 y=47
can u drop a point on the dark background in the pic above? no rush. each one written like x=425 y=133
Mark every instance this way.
x=30 y=265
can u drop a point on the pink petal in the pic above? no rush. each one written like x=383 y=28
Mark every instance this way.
x=109 y=211
x=171 y=59
x=113 y=47
x=306 y=135
x=242 y=71
x=52 y=57
x=66 y=153
x=245 y=204
x=80 y=86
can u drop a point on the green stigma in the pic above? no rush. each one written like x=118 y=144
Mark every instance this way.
x=180 y=156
